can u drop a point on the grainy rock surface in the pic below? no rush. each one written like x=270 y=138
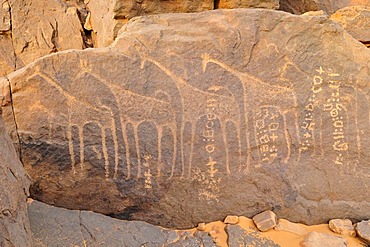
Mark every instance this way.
x=265 y=221
x=231 y=4
x=316 y=239
x=14 y=223
x=53 y=227
x=42 y=27
x=260 y=111
x=343 y=227
x=356 y=21
x=329 y=6
x=237 y=237
x=106 y=19
x=287 y=226
x=363 y=230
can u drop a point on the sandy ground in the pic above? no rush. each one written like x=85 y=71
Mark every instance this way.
x=283 y=238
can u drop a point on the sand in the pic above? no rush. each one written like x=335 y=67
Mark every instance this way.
x=283 y=238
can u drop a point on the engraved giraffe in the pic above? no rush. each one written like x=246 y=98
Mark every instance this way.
x=194 y=106
x=77 y=107
x=135 y=109
x=276 y=94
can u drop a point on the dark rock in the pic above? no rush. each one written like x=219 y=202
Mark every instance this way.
x=237 y=237
x=363 y=231
x=187 y=118
x=265 y=221
x=53 y=227
x=14 y=223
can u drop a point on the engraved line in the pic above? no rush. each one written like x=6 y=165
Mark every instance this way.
x=286 y=159
x=82 y=147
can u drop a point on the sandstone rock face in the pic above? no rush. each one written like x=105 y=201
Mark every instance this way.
x=329 y=6
x=42 y=27
x=30 y=29
x=14 y=223
x=356 y=21
x=7 y=57
x=188 y=118
x=52 y=226
x=108 y=18
x=232 y=4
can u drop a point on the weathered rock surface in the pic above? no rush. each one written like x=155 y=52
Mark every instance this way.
x=7 y=56
x=42 y=27
x=356 y=21
x=232 y=4
x=52 y=226
x=258 y=112
x=265 y=221
x=287 y=226
x=14 y=223
x=343 y=227
x=231 y=219
x=316 y=239
x=329 y=6
x=237 y=237
x=363 y=230
x=30 y=29
x=107 y=19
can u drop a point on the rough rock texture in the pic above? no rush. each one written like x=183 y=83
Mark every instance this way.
x=14 y=223
x=265 y=221
x=287 y=226
x=363 y=230
x=52 y=226
x=231 y=219
x=343 y=227
x=237 y=237
x=356 y=21
x=329 y=6
x=259 y=112
x=108 y=18
x=232 y=4
x=42 y=27
x=316 y=239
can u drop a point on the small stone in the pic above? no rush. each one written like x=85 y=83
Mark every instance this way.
x=231 y=219
x=316 y=239
x=265 y=220
x=363 y=231
x=201 y=226
x=287 y=226
x=343 y=227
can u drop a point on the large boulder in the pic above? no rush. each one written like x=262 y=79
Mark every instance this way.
x=329 y=6
x=188 y=118
x=54 y=227
x=106 y=18
x=14 y=223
